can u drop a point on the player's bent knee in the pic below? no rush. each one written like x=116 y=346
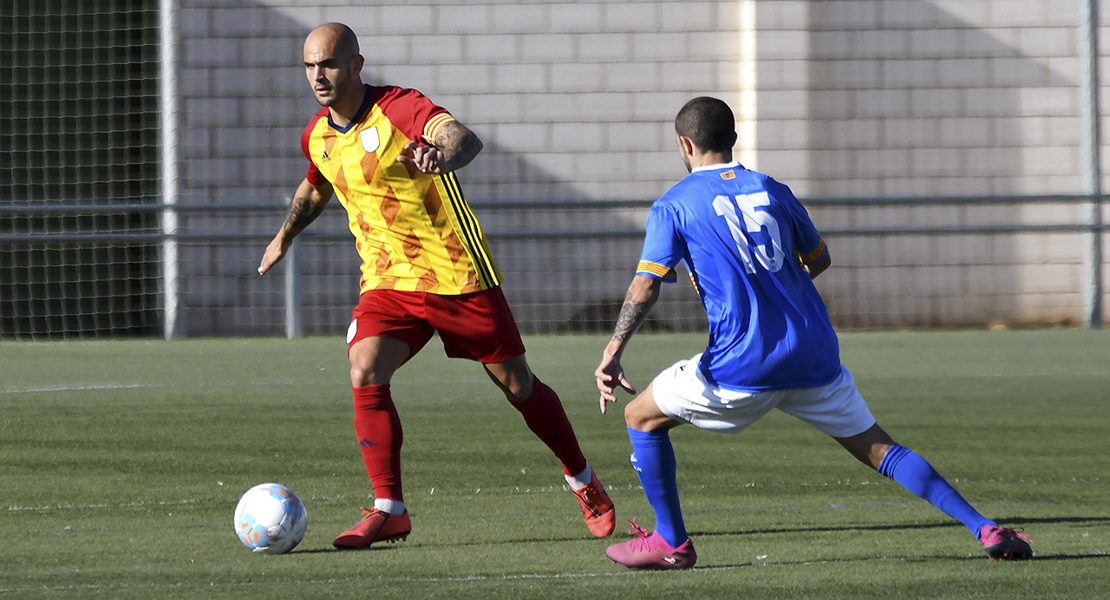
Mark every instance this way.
x=643 y=415
x=362 y=376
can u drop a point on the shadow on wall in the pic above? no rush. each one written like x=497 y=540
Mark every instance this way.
x=242 y=123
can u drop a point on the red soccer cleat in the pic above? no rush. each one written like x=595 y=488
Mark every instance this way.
x=376 y=526
x=597 y=508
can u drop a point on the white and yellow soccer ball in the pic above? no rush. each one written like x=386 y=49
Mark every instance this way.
x=270 y=519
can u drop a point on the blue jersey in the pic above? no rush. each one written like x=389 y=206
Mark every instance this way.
x=741 y=235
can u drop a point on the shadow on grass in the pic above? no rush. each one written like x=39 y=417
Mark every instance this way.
x=778 y=530
x=1018 y=521
x=906 y=559
x=1010 y=522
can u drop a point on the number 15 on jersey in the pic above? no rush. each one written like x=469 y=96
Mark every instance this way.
x=753 y=228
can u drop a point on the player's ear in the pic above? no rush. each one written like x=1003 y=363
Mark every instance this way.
x=357 y=62
x=685 y=145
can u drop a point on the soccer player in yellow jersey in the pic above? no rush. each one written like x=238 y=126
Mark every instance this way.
x=390 y=155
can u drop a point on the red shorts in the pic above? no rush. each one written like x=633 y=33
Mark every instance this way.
x=478 y=326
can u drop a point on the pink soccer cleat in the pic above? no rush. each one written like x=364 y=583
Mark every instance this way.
x=1005 y=544
x=376 y=525
x=651 y=551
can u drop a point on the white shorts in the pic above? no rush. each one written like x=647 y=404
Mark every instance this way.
x=683 y=394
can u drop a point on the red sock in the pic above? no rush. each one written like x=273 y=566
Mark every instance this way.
x=378 y=429
x=544 y=415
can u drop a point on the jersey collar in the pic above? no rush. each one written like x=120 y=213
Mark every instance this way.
x=366 y=102
x=732 y=165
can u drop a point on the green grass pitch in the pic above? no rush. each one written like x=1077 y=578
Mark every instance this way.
x=121 y=463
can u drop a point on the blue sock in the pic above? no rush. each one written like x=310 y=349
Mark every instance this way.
x=653 y=459
x=918 y=476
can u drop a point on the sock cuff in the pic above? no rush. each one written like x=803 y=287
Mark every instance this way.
x=581 y=479
x=370 y=397
x=540 y=390
x=891 y=460
x=656 y=437
x=541 y=396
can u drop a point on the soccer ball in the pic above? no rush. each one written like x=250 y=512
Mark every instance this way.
x=270 y=519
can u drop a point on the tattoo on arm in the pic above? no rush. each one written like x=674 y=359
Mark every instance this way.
x=632 y=313
x=458 y=144
x=303 y=212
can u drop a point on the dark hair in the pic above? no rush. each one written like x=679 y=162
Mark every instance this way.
x=708 y=122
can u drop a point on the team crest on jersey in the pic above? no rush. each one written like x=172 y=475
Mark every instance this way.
x=370 y=141
x=728 y=175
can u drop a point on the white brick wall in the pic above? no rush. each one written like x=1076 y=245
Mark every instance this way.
x=852 y=97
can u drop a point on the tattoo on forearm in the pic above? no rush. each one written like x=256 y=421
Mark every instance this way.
x=629 y=319
x=458 y=144
x=303 y=212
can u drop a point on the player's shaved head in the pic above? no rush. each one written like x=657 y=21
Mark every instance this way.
x=332 y=65
x=709 y=123
x=337 y=38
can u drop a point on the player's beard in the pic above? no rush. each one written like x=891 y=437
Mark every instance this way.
x=686 y=161
x=329 y=100
x=337 y=91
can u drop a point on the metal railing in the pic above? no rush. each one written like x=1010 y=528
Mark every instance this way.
x=533 y=224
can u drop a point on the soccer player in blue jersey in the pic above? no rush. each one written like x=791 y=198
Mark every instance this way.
x=752 y=252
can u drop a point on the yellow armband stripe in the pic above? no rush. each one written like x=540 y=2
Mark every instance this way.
x=658 y=270
x=431 y=128
x=817 y=252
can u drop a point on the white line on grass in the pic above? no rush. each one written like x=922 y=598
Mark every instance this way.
x=561 y=489
x=331 y=580
x=73 y=387
x=70 y=506
x=524 y=576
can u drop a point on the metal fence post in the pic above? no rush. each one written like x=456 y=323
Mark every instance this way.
x=294 y=326
x=1092 y=174
x=173 y=326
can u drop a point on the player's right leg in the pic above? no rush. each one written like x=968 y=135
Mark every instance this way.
x=379 y=342
x=669 y=546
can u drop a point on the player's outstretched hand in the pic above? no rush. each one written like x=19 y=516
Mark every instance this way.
x=426 y=159
x=274 y=253
x=610 y=376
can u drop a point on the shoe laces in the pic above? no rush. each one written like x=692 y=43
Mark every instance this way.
x=1018 y=532
x=1003 y=531
x=637 y=530
x=642 y=535
x=591 y=496
x=369 y=512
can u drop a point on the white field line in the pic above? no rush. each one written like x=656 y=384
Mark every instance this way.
x=548 y=489
x=72 y=387
x=560 y=489
x=329 y=581
x=83 y=506
x=80 y=387
x=510 y=577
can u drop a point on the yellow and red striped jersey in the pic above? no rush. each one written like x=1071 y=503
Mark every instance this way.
x=415 y=232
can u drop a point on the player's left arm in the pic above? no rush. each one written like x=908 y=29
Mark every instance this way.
x=819 y=266
x=816 y=262
x=641 y=296
x=455 y=146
